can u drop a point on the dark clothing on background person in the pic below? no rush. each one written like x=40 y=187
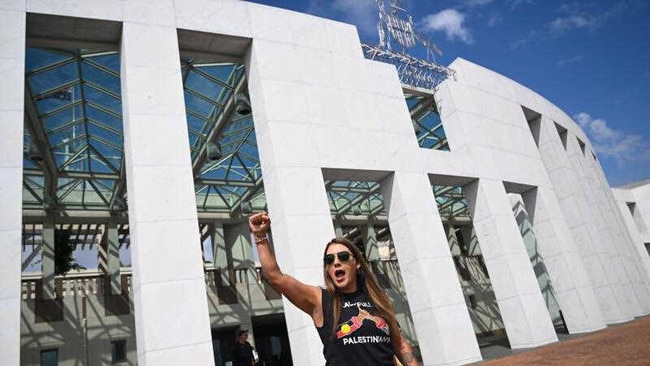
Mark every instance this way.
x=242 y=354
x=361 y=338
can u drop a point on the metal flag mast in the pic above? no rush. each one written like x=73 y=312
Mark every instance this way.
x=395 y=28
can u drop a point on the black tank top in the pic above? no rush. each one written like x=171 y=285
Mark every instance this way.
x=361 y=339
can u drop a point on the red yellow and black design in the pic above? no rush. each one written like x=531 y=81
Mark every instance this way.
x=355 y=322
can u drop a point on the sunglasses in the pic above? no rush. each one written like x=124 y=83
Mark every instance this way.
x=343 y=257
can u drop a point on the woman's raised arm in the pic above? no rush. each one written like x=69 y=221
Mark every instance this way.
x=307 y=298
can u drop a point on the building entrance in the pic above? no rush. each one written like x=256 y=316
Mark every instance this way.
x=272 y=340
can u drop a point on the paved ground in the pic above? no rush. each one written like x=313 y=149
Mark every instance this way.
x=626 y=345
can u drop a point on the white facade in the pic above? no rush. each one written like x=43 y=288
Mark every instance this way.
x=324 y=112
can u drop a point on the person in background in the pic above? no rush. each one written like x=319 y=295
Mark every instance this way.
x=242 y=353
x=353 y=315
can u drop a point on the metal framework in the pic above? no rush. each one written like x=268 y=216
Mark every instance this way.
x=73 y=135
x=426 y=122
x=222 y=184
x=73 y=154
x=395 y=28
x=363 y=199
x=451 y=202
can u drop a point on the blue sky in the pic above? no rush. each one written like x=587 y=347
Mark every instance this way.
x=590 y=58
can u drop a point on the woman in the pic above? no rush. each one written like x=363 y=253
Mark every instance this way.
x=242 y=353
x=354 y=317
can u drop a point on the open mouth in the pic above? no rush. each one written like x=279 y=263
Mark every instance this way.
x=339 y=274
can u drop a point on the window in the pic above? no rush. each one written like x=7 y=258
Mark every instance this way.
x=534 y=120
x=563 y=134
x=50 y=357
x=118 y=351
x=582 y=146
x=632 y=207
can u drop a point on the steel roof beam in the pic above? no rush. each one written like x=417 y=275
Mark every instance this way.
x=422 y=107
x=222 y=120
x=250 y=193
x=358 y=199
x=39 y=138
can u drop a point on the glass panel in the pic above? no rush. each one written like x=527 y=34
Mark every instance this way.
x=118 y=351
x=76 y=93
x=426 y=122
x=50 y=357
x=37 y=58
x=53 y=78
x=108 y=81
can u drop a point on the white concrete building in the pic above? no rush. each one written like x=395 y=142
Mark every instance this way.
x=482 y=207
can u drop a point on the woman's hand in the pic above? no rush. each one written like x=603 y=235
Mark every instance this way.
x=259 y=223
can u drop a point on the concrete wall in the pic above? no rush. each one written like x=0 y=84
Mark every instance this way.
x=12 y=57
x=347 y=120
x=634 y=208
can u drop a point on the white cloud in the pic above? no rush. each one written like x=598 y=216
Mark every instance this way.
x=570 y=60
x=613 y=143
x=475 y=3
x=574 y=16
x=449 y=21
x=495 y=19
x=532 y=35
x=563 y=24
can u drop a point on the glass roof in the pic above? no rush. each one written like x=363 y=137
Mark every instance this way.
x=451 y=201
x=364 y=199
x=355 y=198
x=73 y=154
x=73 y=135
x=234 y=175
x=426 y=122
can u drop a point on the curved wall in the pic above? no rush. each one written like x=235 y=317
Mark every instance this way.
x=324 y=112
x=543 y=147
x=512 y=134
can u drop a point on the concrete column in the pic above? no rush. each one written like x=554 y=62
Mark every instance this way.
x=536 y=256
x=641 y=244
x=623 y=197
x=570 y=195
x=515 y=286
x=238 y=244
x=370 y=241
x=440 y=315
x=47 y=261
x=301 y=226
x=629 y=244
x=626 y=243
x=613 y=245
x=113 y=257
x=219 y=251
x=452 y=240
x=642 y=210
x=171 y=305
x=284 y=108
x=635 y=280
x=12 y=72
x=573 y=290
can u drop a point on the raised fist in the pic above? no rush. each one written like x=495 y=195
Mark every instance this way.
x=259 y=223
